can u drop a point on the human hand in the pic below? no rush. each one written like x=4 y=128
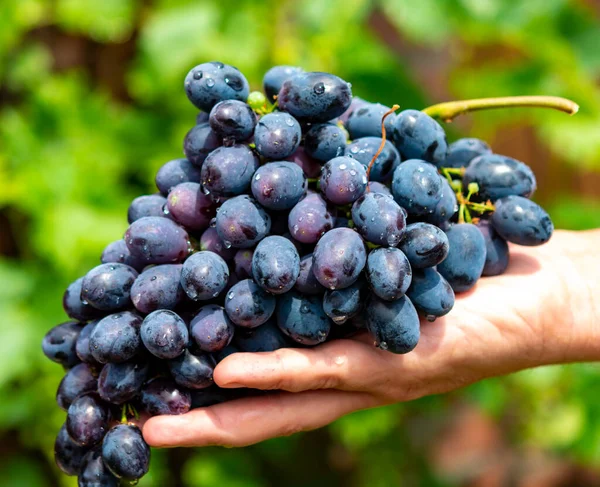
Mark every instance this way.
x=541 y=311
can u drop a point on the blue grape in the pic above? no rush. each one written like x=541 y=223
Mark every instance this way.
x=417 y=187
x=176 y=172
x=307 y=283
x=430 y=293
x=190 y=206
x=146 y=205
x=248 y=305
x=79 y=380
x=356 y=104
x=522 y=221
x=314 y=97
x=228 y=350
x=446 y=207
x=117 y=252
x=68 y=455
x=339 y=258
x=311 y=167
x=302 y=318
x=277 y=135
x=94 y=473
x=202 y=118
x=82 y=345
x=158 y=287
x=125 y=453
x=156 y=240
x=325 y=141
x=279 y=185
x=119 y=383
x=200 y=141
x=394 y=325
x=163 y=396
x=210 y=240
x=116 y=338
x=107 y=286
x=233 y=119
x=463 y=151
x=366 y=121
x=418 y=136
x=499 y=176
x=59 y=343
x=275 y=264
x=343 y=180
x=164 y=334
x=464 y=264
x=87 y=419
x=265 y=338
x=242 y=262
x=204 y=275
x=275 y=77
x=211 y=328
x=425 y=245
x=365 y=148
x=310 y=219
x=202 y=398
x=379 y=219
x=209 y=83
x=497 y=254
x=227 y=171
x=389 y=273
x=75 y=307
x=342 y=304
x=194 y=371
x=376 y=187
x=241 y=222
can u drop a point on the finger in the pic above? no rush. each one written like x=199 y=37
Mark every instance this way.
x=251 y=420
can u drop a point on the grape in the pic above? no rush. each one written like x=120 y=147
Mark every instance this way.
x=163 y=396
x=125 y=453
x=194 y=371
x=375 y=187
x=116 y=338
x=430 y=293
x=279 y=185
x=204 y=275
x=339 y=258
x=311 y=167
x=211 y=328
x=82 y=345
x=498 y=176
x=277 y=135
x=325 y=141
x=463 y=151
x=389 y=273
x=355 y=104
x=87 y=419
x=496 y=255
x=464 y=264
x=307 y=283
x=157 y=240
x=302 y=318
x=227 y=171
x=202 y=398
x=379 y=219
x=79 y=380
x=394 y=325
x=119 y=383
x=94 y=473
x=176 y=172
x=107 y=286
x=209 y=83
x=75 y=307
x=241 y=222
x=248 y=305
x=233 y=118
x=59 y=343
x=190 y=207
x=343 y=180
x=210 y=240
x=164 y=334
x=275 y=77
x=242 y=262
x=425 y=245
x=275 y=264
x=342 y=304
x=366 y=121
x=202 y=118
x=119 y=253
x=200 y=141
x=314 y=97
x=365 y=148
x=158 y=287
x=417 y=187
x=265 y=338
x=522 y=221
x=446 y=207
x=310 y=219
x=147 y=205
x=68 y=454
x=418 y=136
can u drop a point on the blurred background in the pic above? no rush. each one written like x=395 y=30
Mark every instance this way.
x=92 y=103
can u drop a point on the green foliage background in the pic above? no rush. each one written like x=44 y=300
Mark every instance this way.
x=72 y=155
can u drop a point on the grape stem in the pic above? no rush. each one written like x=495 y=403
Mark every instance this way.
x=449 y=110
x=383 y=138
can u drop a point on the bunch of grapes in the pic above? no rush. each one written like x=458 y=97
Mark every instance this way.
x=297 y=216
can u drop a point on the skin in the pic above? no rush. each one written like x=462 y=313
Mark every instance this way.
x=541 y=311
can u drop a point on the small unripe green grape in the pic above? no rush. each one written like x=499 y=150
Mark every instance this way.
x=257 y=100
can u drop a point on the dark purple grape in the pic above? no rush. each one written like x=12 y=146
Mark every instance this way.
x=164 y=334
x=158 y=287
x=277 y=135
x=125 y=453
x=355 y=104
x=211 y=328
x=163 y=396
x=314 y=97
x=364 y=149
x=430 y=293
x=242 y=262
x=204 y=276
x=342 y=304
x=147 y=205
x=194 y=371
x=394 y=325
x=522 y=221
x=59 y=343
x=200 y=141
x=202 y=398
x=94 y=473
x=190 y=207
x=116 y=338
x=343 y=180
x=325 y=141
x=228 y=350
x=275 y=264
x=79 y=380
x=278 y=185
x=117 y=252
x=339 y=258
x=248 y=305
x=425 y=245
x=68 y=454
x=307 y=283
x=376 y=187
x=227 y=171
x=310 y=166
x=209 y=83
x=379 y=219
x=75 y=307
x=275 y=77
x=463 y=151
x=211 y=241
x=497 y=254
x=446 y=207
x=310 y=219
x=302 y=318
x=176 y=172
x=119 y=383
x=241 y=222
x=107 y=286
x=157 y=241
x=417 y=187
x=82 y=346
x=388 y=273
x=365 y=121
x=87 y=419
x=265 y=338
x=201 y=118
x=233 y=119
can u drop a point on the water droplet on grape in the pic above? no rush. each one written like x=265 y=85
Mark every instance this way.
x=210 y=82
